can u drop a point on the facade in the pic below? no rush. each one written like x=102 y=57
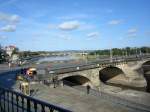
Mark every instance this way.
x=9 y=49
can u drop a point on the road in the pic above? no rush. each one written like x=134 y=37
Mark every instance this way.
x=8 y=75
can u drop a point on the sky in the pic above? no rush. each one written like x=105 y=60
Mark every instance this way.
x=74 y=24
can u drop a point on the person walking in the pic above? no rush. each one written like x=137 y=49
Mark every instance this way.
x=9 y=64
x=88 y=89
x=54 y=82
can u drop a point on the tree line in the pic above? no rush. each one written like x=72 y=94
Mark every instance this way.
x=3 y=55
x=106 y=52
x=122 y=51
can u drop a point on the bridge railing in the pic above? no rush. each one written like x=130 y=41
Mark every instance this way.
x=97 y=64
x=11 y=101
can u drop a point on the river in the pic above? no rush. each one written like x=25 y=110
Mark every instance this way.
x=57 y=58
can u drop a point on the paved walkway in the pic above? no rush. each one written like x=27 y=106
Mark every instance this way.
x=76 y=100
x=128 y=94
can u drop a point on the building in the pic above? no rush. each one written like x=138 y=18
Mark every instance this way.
x=9 y=49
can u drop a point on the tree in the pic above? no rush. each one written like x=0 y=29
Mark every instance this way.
x=2 y=55
x=15 y=51
x=122 y=52
x=145 y=50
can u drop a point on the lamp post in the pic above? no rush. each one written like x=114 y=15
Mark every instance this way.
x=110 y=50
x=110 y=55
x=140 y=53
x=136 y=53
x=126 y=53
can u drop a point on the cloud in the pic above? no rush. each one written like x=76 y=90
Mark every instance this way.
x=13 y=19
x=10 y=21
x=132 y=35
x=64 y=37
x=2 y=37
x=8 y=28
x=93 y=35
x=133 y=30
x=74 y=16
x=114 y=22
x=72 y=25
x=69 y=25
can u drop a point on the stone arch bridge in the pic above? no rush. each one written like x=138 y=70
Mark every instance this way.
x=124 y=73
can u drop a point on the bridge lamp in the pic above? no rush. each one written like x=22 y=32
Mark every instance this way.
x=140 y=52
x=111 y=55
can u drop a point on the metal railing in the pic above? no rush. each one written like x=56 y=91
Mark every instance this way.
x=97 y=64
x=11 y=101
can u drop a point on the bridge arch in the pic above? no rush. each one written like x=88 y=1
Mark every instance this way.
x=76 y=80
x=110 y=72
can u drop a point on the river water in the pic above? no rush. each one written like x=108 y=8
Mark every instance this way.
x=57 y=58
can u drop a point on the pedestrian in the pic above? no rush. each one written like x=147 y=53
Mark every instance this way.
x=9 y=64
x=54 y=82
x=88 y=89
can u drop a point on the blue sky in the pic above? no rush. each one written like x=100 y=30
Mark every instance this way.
x=74 y=24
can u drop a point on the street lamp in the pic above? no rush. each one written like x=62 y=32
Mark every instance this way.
x=126 y=53
x=140 y=53
x=110 y=55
